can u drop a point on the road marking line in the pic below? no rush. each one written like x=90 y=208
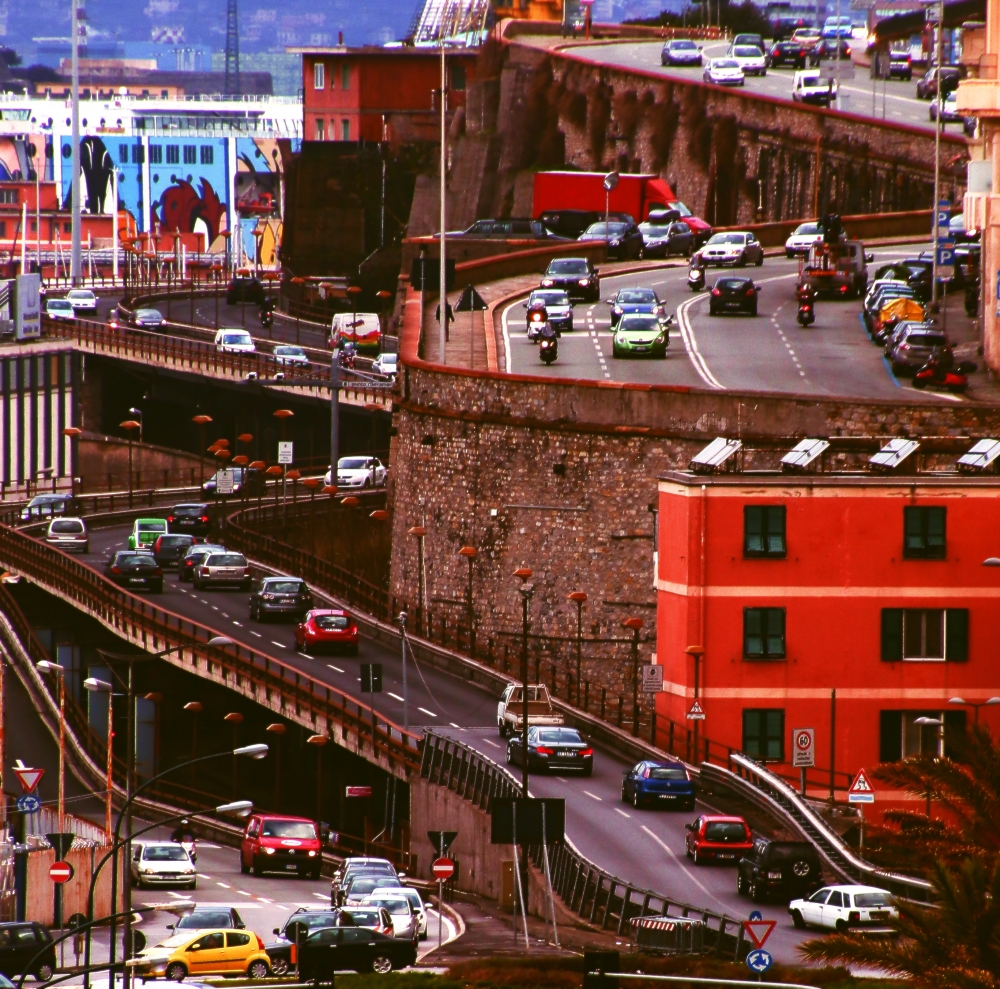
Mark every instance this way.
x=215 y=607
x=223 y=885
x=280 y=645
x=337 y=668
x=691 y=344
x=264 y=899
x=238 y=623
x=430 y=713
x=224 y=615
x=495 y=745
x=243 y=892
x=593 y=796
x=201 y=875
x=682 y=866
x=259 y=636
x=322 y=896
x=396 y=697
x=623 y=814
x=452 y=723
x=304 y=655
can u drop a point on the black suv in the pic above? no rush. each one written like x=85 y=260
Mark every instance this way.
x=577 y=277
x=191 y=519
x=245 y=288
x=19 y=943
x=280 y=596
x=789 y=869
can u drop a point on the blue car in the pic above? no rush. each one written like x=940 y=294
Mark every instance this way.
x=666 y=783
x=634 y=300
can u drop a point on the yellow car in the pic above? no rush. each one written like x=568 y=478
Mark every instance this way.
x=207 y=952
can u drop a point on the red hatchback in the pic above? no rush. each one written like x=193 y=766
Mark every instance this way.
x=274 y=843
x=327 y=628
x=713 y=837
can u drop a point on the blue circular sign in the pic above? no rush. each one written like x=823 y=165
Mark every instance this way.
x=759 y=960
x=756 y=915
x=28 y=804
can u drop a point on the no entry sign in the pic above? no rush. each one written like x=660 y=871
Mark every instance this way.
x=442 y=869
x=60 y=872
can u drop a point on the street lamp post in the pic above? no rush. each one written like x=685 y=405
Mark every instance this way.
x=201 y=421
x=60 y=674
x=138 y=415
x=101 y=687
x=579 y=598
x=128 y=425
x=195 y=707
x=406 y=696
x=526 y=591
x=235 y=719
x=73 y=434
x=319 y=741
x=937 y=723
x=469 y=552
x=635 y=624
x=277 y=729
x=975 y=705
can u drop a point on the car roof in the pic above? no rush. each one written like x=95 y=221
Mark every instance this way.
x=137 y=521
x=672 y=763
x=265 y=816
x=340 y=613
x=852 y=888
x=722 y=819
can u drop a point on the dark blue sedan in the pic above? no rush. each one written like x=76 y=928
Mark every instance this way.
x=667 y=783
x=634 y=300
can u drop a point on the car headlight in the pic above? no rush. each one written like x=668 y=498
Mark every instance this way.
x=312 y=855
x=583 y=281
x=268 y=851
x=774 y=875
x=614 y=243
x=659 y=338
x=547 y=282
x=617 y=310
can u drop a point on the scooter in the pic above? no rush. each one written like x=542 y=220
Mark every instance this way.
x=538 y=316
x=934 y=375
x=267 y=314
x=548 y=350
x=347 y=356
x=696 y=279
x=807 y=313
x=191 y=849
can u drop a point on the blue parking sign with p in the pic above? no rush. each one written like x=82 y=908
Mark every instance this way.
x=943 y=213
x=945 y=256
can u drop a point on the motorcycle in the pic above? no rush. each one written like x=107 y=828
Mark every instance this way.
x=267 y=313
x=191 y=849
x=807 y=313
x=538 y=317
x=935 y=374
x=347 y=354
x=548 y=350
x=696 y=279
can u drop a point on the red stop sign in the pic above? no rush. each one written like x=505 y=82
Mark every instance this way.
x=60 y=872
x=443 y=869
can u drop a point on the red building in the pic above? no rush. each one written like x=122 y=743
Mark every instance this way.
x=792 y=587
x=377 y=94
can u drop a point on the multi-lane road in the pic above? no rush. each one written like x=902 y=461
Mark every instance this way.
x=769 y=352
x=643 y=847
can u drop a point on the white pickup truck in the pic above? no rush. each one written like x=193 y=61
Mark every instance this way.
x=510 y=710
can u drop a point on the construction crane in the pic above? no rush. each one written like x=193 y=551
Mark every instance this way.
x=232 y=81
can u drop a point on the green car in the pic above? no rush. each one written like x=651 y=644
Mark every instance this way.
x=639 y=333
x=146 y=532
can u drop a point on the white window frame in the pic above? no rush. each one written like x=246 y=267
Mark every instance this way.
x=319 y=75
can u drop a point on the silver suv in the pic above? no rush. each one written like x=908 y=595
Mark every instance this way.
x=69 y=534
x=223 y=568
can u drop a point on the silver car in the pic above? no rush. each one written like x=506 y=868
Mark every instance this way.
x=69 y=534
x=162 y=863
x=404 y=921
x=416 y=904
x=223 y=568
x=916 y=347
x=736 y=248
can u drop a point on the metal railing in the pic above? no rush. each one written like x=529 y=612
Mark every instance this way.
x=590 y=892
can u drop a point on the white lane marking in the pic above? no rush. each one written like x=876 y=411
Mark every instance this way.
x=396 y=697
x=259 y=636
x=691 y=344
x=332 y=667
x=593 y=796
x=623 y=814
x=322 y=896
x=223 y=885
x=452 y=723
x=304 y=655
x=215 y=607
x=506 y=334
x=240 y=624
x=280 y=645
x=429 y=713
x=243 y=892
x=201 y=875
x=682 y=866
x=495 y=745
x=264 y=899
x=224 y=615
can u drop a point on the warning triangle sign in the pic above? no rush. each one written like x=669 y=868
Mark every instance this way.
x=696 y=712
x=28 y=778
x=471 y=301
x=861 y=791
x=759 y=930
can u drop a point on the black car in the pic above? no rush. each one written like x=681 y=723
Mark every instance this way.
x=280 y=596
x=194 y=557
x=44 y=506
x=680 y=51
x=304 y=921
x=245 y=288
x=660 y=240
x=19 y=943
x=900 y=66
x=927 y=87
x=553 y=748
x=202 y=918
x=569 y=222
x=356 y=949
x=634 y=300
x=249 y=477
x=169 y=550
x=623 y=239
x=827 y=48
x=577 y=277
x=132 y=568
x=793 y=53
x=733 y=295
x=190 y=518
x=787 y=869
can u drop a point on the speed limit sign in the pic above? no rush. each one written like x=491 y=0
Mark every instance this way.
x=803 y=747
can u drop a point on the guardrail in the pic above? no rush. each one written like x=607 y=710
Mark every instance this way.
x=593 y=894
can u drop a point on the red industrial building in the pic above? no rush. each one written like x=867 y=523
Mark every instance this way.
x=852 y=603
x=377 y=94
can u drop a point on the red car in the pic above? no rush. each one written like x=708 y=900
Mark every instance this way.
x=326 y=628
x=274 y=843
x=713 y=837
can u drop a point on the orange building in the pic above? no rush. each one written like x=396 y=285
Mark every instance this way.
x=377 y=94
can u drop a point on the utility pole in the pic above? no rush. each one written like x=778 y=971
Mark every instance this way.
x=75 y=260
x=937 y=153
x=443 y=286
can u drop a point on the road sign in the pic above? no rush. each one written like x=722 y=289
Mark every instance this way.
x=371 y=678
x=285 y=452
x=943 y=213
x=359 y=791
x=861 y=791
x=652 y=678
x=759 y=931
x=803 y=747
x=443 y=869
x=945 y=256
x=225 y=482
x=756 y=915
x=28 y=803
x=470 y=301
x=28 y=778
x=759 y=960
x=696 y=712
x=60 y=872
x=442 y=840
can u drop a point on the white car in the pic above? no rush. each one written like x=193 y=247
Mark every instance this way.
x=162 y=863
x=809 y=86
x=405 y=924
x=69 y=534
x=386 y=364
x=842 y=908
x=234 y=342
x=804 y=236
x=82 y=300
x=358 y=472
x=724 y=72
x=750 y=59
x=416 y=904
x=59 y=309
x=291 y=354
x=733 y=249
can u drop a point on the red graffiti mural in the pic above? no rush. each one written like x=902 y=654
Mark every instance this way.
x=181 y=207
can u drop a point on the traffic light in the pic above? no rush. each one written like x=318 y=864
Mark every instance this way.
x=371 y=678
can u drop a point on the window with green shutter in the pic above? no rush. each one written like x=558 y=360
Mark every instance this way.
x=764 y=633
x=890 y=736
x=925 y=634
x=764 y=531
x=764 y=733
x=923 y=533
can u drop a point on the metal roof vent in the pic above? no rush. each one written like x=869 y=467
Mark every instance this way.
x=981 y=456
x=803 y=454
x=715 y=455
x=893 y=454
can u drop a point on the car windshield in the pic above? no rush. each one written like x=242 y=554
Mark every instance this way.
x=313 y=921
x=359 y=918
x=746 y=51
x=397 y=907
x=872 y=900
x=725 y=831
x=790 y=852
x=639 y=323
x=46 y=500
x=288 y=829
x=716 y=239
x=598 y=230
x=172 y=541
x=667 y=773
x=389 y=358
x=128 y=555
x=202 y=550
x=187 y=510
x=66 y=525
x=810 y=79
x=284 y=586
x=366 y=884
x=164 y=853
x=154 y=526
x=926 y=340
x=725 y=63
x=149 y=314
x=236 y=338
x=200 y=919
x=226 y=560
x=568 y=268
x=289 y=352
x=549 y=298
x=681 y=208
x=807 y=228
x=59 y=304
x=175 y=941
x=330 y=622
x=560 y=736
x=731 y=284
x=685 y=46
x=80 y=293
x=352 y=463
x=637 y=295
x=655 y=229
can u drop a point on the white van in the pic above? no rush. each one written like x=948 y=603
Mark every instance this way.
x=228 y=341
x=809 y=86
x=364 y=329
